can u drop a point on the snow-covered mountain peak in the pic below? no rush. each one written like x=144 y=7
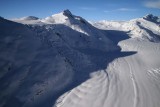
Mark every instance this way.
x=64 y=17
x=29 y=18
x=59 y=18
x=67 y=18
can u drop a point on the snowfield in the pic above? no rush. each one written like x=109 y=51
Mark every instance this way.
x=64 y=61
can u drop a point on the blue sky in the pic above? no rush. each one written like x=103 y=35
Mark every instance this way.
x=88 y=9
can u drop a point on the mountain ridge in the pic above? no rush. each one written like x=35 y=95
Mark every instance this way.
x=139 y=28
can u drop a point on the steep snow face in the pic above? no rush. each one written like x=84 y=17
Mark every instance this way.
x=73 y=38
x=146 y=28
x=66 y=17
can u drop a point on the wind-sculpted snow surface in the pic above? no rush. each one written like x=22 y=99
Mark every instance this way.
x=131 y=81
x=63 y=61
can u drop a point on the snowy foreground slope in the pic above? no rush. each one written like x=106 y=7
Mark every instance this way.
x=63 y=61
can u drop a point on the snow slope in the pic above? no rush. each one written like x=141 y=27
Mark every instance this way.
x=64 y=61
x=131 y=81
x=40 y=62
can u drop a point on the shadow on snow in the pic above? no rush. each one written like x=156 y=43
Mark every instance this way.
x=77 y=58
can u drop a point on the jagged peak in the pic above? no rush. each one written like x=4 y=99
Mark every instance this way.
x=151 y=17
x=67 y=13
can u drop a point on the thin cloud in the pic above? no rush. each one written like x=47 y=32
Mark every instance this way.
x=153 y=4
x=88 y=8
x=121 y=9
x=126 y=9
